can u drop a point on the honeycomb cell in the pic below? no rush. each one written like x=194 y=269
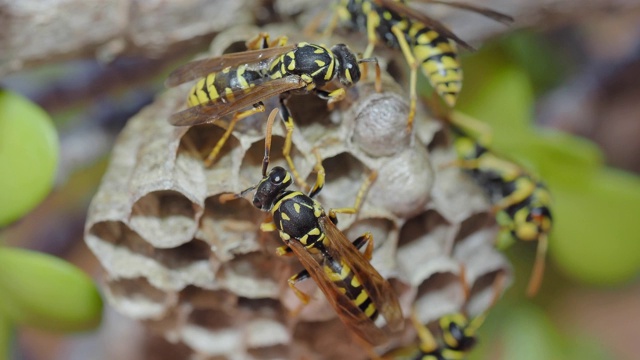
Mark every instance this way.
x=165 y=218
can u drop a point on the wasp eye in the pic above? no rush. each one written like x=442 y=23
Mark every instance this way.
x=278 y=175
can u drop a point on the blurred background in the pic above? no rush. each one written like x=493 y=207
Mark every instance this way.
x=570 y=69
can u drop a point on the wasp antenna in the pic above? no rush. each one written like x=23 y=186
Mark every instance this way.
x=267 y=141
x=538 y=267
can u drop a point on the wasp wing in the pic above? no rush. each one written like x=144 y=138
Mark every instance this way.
x=490 y=13
x=405 y=10
x=349 y=313
x=200 y=68
x=380 y=291
x=240 y=99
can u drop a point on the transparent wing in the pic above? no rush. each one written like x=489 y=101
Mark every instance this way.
x=348 y=312
x=200 y=68
x=490 y=13
x=242 y=98
x=405 y=10
x=379 y=289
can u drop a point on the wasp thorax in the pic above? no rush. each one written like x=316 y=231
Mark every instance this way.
x=348 y=69
x=270 y=187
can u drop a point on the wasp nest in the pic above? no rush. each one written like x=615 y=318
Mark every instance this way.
x=201 y=272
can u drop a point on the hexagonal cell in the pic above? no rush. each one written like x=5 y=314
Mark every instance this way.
x=262 y=308
x=317 y=340
x=201 y=139
x=137 y=298
x=486 y=291
x=165 y=218
x=251 y=168
x=203 y=299
x=213 y=332
x=254 y=275
x=311 y=117
x=344 y=176
x=385 y=236
x=440 y=294
x=231 y=228
x=424 y=246
x=269 y=352
x=474 y=224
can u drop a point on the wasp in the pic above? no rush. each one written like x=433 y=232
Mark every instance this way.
x=358 y=293
x=424 y=42
x=458 y=334
x=231 y=83
x=521 y=202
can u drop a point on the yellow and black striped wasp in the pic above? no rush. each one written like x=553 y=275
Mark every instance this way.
x=231 y=83
x=424 y=42
x=358 y=293
x=457 y=334
x=521 y=202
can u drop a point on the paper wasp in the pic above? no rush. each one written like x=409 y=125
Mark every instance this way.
x=230 y=83
x=424 y=42
x=457 y=334
x=357 y=292
x=520 y=201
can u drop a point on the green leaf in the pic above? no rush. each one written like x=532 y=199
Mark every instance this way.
x=46 y=292
x=528 y=335
x=28 y=153
x=597 y=234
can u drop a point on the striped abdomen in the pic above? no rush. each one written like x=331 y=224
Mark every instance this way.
x=349 y=284
x=439 y=61
x=220 y=86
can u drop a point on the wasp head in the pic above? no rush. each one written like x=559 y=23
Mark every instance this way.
x=270 y=187
x=348 y=69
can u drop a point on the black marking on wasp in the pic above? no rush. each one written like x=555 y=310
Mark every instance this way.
x=357 y=292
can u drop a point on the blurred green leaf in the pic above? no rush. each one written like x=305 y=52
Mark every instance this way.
x=46 y=292
x=28 y=152
x=528 y=335
x=6 y=333
x=597 y=233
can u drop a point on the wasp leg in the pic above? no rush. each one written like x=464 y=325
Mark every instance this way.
x=263 y=41
x=465 y=284
x=320 y=176
x=538 y=267
x=211 y=158
x=413 y=64
x=359 y=197
x=427 y=342
x=481 y=130
x=286 y=151
x=331 y=97
x=371 y=33
x=524 y=187
x=284 y=250
x=302 y=275
x=366 y=238
x=365 y=70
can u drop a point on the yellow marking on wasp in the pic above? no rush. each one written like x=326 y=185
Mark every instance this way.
x=240 y=76
x=296 y=207
x=320 y=62
x=314 y=232
x=292 y=65
x=362 y=297
x=229 y=94
x=355 y=282
x=371 y=309
x=334 y=276
x=285 y=216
